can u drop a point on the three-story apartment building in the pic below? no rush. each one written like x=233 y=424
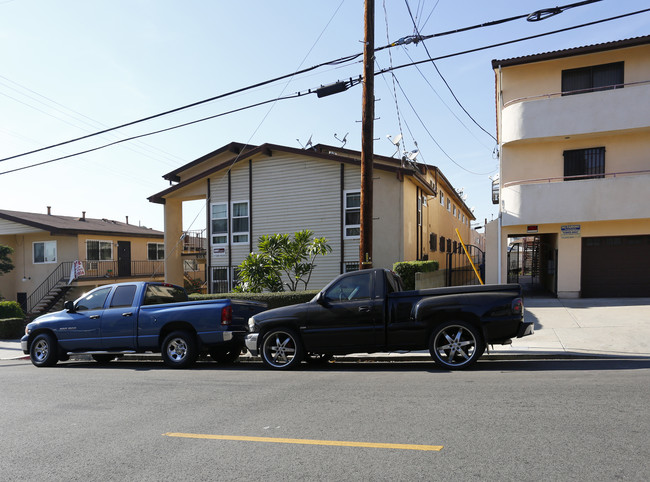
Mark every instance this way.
x=574 y=135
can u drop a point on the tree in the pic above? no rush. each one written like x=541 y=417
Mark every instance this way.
x=281 y=256
x=5 y=262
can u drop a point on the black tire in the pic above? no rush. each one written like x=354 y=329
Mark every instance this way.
x=281 y=349
x=225 y=355
x=179 y=350
x=43 y=351
x=318 y=358
x=103 y=359
x=456 y=345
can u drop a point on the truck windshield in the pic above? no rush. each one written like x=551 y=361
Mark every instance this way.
x=159 y=294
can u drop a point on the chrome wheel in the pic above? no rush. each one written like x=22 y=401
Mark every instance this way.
x=281 y=349
x=179 y=350
x=456 y=345
x=43 y=351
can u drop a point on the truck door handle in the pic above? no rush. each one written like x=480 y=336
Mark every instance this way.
x=364 y=309
x=127 y=314
x=94 y=317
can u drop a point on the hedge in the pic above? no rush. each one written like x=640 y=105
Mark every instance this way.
x=407 y=270
x=272 y=300
x=11 y=328
x=10 y=309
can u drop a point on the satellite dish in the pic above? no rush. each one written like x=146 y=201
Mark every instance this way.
x=395 y=141
x=412 y=155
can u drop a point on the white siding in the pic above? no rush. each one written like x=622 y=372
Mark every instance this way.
x=292 y=194
x=9 y=227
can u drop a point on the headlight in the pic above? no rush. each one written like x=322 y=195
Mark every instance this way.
x=251 y=324
x=27 y=330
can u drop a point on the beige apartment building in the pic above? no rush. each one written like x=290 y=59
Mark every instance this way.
x=574 y=184
x=46 y=247
x=250 y=191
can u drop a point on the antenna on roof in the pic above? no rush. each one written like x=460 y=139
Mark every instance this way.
x=344 y=140
x=395 y=141
x=309 y=143
x=409 y=158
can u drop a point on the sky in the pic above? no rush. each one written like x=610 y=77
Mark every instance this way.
x=70 y=68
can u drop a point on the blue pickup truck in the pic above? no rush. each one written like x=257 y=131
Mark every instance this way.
x=140 y=317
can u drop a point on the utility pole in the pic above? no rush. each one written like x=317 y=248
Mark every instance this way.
x=367 y=133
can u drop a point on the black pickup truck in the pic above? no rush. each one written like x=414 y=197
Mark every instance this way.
x=368 y=311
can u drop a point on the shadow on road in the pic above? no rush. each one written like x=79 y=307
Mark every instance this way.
x=607 y=364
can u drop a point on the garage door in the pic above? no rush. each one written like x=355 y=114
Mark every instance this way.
x=616 y=266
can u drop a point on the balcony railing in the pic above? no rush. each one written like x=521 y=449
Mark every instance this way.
x=194 y=241
x=571 y=178
x=95 y=270
x=571 y=92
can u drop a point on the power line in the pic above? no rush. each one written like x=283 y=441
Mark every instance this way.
x=152 y=133
x=508 y=42
x=339 y=61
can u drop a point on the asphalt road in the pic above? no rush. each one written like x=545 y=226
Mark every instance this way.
x=502 y=420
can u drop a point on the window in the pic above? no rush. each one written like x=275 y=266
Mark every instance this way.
x=419 y=211
x=352 y=214
x=219 y=219
x=99 y=250
x=240 y=222
x=449 y=246
x=155 y=251
x=123 y=296
x=587 y=163
x=448 y=205
x=220 y=279
x=433 y=242
x=159 y=294
x=93 y=301
x=349 y=266
x=454 y=210
x=442 y=244
x=350 y=288
x=442 y=199
x=592 y=79
x=45 y=252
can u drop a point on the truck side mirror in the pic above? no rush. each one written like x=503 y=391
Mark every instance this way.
x=320 y=299
x=69 y=306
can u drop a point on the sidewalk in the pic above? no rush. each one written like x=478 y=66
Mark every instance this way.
x=611 y=327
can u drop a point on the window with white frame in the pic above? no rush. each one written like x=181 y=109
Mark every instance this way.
x=240 y=222
x=155 y=251
x=99 y=250
x=448 y=205
x=442 y=198
x=352 y=214
x=419 y=211
x=219 y=223
x=44 y=252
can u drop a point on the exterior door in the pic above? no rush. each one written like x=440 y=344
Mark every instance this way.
x=119 y=320
x=124 y=258
x=347 y=317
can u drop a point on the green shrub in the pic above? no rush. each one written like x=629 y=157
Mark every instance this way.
x=10 y=309
x=11 y=328
x=407 y=269
x=272 y=300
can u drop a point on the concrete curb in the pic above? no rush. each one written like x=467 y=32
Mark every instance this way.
x=400 y=358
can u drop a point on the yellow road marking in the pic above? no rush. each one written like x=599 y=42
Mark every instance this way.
x=433 y=448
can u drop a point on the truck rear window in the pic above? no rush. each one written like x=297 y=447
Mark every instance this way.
x=160 y=294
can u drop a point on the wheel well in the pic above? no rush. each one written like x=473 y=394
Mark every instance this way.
x=40 y=331
x=466 y=317
x=175 y=326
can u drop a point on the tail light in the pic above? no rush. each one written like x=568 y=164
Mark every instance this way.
x=226 y=315
x=518 y=306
